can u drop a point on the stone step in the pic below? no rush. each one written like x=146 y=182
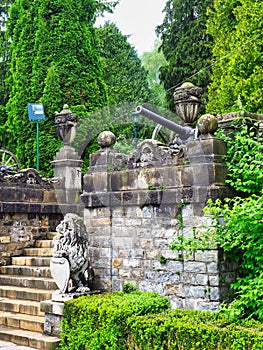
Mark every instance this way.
x=38 y=252
x=43 y=244
x=51 y=235
x=28 y=338
x=23 y=285
x=29 y=282
x=13 y=292
x=27 y=307
x=22 y=321
x=36 y=271
x=30 y=261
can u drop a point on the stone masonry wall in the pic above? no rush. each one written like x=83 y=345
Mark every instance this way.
x=19 y=230
x=135 y=207
x=28 y=211
x=131 y=244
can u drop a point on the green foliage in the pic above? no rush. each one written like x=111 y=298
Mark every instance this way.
x=152 y=61
x=236 y=28
x=244 y=157
x=241 y=238
x=135 y=321
x=238 y=227
x=128 y=287
x=106 y=6
x=53 y=60
x=122 y=70
x=186 y=45
x=100 y=321
x=238 y=222
x=191 y=330
x=163 y=260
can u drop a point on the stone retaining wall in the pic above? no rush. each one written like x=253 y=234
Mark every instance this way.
x=28 y=211
x=133 y=214
x=132 y=244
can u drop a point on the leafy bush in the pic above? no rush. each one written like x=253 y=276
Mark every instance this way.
x=244 y=157
x=241 y=238
x=238 y=230
x=143 y=321
x=192 y=330
x=99 y=321
x=239 y=221
x=128 y=287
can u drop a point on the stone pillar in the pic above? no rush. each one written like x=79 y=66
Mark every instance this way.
x=98 y=211
x=67 y=164
x=67 y=169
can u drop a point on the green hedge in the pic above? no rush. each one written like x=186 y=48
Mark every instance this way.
x=98 y=322
x=144 y=321
x=192 y=330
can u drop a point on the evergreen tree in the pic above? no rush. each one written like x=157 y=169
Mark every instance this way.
x=126 y=81
x=53 y=60
x=124 y=75
x=152 y=61
x=186 y=45
x=4 y=66
x=236 y=26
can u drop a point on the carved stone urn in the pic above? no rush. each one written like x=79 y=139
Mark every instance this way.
x=187 y=102
x=66 y=125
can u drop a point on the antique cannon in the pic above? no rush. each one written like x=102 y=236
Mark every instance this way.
x=184 y=134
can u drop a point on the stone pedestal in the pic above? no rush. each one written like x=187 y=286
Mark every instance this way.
x=54 y=311
x=67 y=169
x=53 y=316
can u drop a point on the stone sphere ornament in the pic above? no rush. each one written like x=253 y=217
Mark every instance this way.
x=106 y=139
x=207 y=124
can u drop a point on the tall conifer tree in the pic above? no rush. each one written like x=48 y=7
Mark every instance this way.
x=237 y=29
x=53 y=44
x=123 y=73
x=185 y=44
x=4 y=65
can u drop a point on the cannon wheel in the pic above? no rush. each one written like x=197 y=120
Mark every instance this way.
x=9 y=160
x=162 y=134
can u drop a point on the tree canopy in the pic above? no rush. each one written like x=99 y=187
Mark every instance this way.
x=236 y=26
x=152 y=61
x=185 y=44
x=122 y=70
x=54 y=61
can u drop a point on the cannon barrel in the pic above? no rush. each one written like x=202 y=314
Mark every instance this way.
x=185 y=133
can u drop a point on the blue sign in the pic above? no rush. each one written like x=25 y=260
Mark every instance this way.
x=35 y=111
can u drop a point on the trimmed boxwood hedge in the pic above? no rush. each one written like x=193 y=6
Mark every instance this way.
x=100 y=321
x=144 y=321
x=192 y=330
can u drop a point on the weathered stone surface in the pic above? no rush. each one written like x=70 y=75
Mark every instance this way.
x=20 y=226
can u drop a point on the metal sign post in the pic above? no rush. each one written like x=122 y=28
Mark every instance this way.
x=36 y=113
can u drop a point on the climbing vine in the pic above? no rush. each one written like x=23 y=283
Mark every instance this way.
x=238 y=222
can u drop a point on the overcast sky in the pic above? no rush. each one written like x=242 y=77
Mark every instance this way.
x=138 y=18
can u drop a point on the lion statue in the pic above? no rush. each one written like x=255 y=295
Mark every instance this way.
x=70 y=264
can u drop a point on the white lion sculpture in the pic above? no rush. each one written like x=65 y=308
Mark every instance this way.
x=70 y=261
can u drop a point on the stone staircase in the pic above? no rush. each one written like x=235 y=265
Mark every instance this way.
x=23 y=285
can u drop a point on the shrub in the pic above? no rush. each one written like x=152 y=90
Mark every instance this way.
x=129 y=287
x=244 y=158
x=99 y=322
x=191 y=330
x=143 y=321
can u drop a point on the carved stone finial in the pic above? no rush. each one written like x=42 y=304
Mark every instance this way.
x=66 y=123
x=106 y=139
x=187 y=102
x=207 y=124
